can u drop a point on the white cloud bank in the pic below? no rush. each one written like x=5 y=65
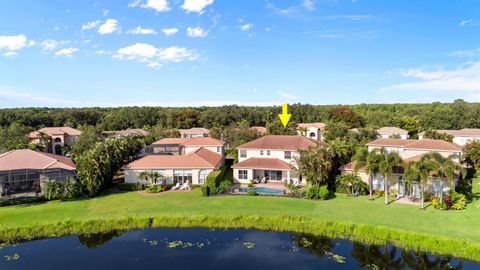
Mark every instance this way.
x=155 y=57
x=157 y=5
x=196 y=5
x=91 y=25
x=196 y=32
x=11 y=44
x=110 y=26
x=142 y=31
x=66 y=52
x=246 y=27
x=170 y=31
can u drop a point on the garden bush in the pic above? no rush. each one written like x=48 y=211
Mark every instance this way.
x=155 y=189
x=218 y=181
x=252 y=192
x=205 y=191
x=312 y=192
x=22 y=201
x=324 y=193
x=464 y=186
x=131 y=187
x=61 y=190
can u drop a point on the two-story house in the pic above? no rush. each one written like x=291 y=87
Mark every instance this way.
x=197 y=132
x=408 y=150
x=178 y=160
x=182 y=146
x=389 y=132
x=460 y=137
x=312 y=131
x=54 y=138
x=270 y=158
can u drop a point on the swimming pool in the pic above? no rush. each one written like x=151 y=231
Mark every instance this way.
x=263 y=190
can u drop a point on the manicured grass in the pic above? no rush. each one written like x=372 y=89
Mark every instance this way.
x=452 y=232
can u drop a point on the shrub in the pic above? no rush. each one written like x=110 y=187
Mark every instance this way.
x=216 y=178
x=61 y=190
x=131 y=187
x=351 y=184
x=435 y=201
x=205 y=191
x=154 y=189
x=324 y=193
x=22 y=201
x=448 y=201
x=464 y=186
x=224 y=185
x=460 y=202
x=251 y=192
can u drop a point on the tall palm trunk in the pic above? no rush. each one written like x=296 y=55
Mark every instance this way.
x=385 y=185
x=370 y=186
x=441 y=191
x=423 y=203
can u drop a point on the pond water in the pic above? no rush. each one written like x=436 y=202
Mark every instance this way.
x=214 y=249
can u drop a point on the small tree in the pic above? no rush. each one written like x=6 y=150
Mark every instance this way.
x=351 y=182
x=370 y=161
x=314 y=163
x=387 y=162
x=418 y=171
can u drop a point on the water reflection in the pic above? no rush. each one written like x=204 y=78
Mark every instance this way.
x=95 y=240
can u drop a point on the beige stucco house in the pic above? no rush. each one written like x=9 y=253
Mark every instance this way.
x=270 y=158
x=409 y=150
x=460 y=137
x=56 y=138
x=388 y=132
x=312 y=131
x=197 y=132
x=182 y=146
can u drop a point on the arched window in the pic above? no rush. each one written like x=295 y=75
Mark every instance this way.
x=202 y=176
x=312 y=135
x=57 y=140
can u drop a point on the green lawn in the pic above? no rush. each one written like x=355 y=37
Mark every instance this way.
x=460 y=226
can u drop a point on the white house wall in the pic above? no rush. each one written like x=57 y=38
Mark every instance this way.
x=131 y=176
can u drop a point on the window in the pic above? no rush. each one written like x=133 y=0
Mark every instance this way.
x=243 y=153
x=288 y=155
x=261 y=152
x=182 y=176
x=377 y=182
x=312 y=135
x=268 y=152
x=273 y=175
x=202 y=176
x=219 y=149
x=242 y=174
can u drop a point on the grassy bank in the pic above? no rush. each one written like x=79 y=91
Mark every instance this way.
x=442 y=232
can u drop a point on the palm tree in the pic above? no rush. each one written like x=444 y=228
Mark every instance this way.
x=145 y=176
x=445 y=168
x=387 y=161
x=314 y=163
x=418 y=171
x=363 y=158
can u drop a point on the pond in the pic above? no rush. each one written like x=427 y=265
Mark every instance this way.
x=199 y=248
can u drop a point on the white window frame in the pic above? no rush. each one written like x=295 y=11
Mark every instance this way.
x=243 y=153
x=243 y=174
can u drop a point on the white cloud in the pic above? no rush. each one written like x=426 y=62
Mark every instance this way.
x=246 y=27
x=105 y=12
x=157 y=5
x=154 y=57
x=196 y=32
x=142 y=31
x=466 y=22
x=21 y=97
x=465 y=78
x=286 y=95
x=91 y=25
x=467 y=53
x=196 y=5
x=110 y=26
x=170 y=31
x=66 y=52
x=308 y=4
x=12 y=43
x=49 y=44
x=10 y=54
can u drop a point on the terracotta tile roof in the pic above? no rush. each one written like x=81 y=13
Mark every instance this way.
x=51 y=131
x=197 y=130
x=466 y=132
x=261 y=130
x=29 y=159
x=351 y=167
x=426 y=144
x=279 y=142
x=392 y=130
x=200 y=159
x=307 y=125
x=263 y=163
x=204 y=141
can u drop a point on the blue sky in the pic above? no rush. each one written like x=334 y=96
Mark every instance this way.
x=258 y=52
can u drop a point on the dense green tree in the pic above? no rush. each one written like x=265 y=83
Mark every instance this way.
x=89 y=137
x=471 y=154
x=347 y=116
x=432 y=134
x=419 y=171
x=315 y=163
x=14 y=137
x=335 y=130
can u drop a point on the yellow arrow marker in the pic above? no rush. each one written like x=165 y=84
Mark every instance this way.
x=285 y=116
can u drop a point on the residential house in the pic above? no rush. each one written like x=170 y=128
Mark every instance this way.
x=54 y=138
x=23 y=172
x=271 y=158
x=409 y=150
x=193 y=132
x=312 y=131
x=460 y=137
x=182 y=146
x=126 y=132
x=261 y=130
x=389 y=132
x=192 y=167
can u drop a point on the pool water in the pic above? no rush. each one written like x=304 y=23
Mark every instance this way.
x=263 y=190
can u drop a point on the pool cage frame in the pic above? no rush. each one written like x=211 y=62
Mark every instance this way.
x=26 y=183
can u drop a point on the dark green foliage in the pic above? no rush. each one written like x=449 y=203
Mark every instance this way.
x=217 y=181
x=351 y=184
x=205 y=191
x=315 y=192
x=464 y=186
x=14 y=137
x=324 y=193
x=89 y=137
x=346 y=116
x=61 y=190
x=95 y=240
x=252 y=192
x=155 y=189
x=22 y=201
x=131 y=187
x=97 y=166
x=432 y=134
